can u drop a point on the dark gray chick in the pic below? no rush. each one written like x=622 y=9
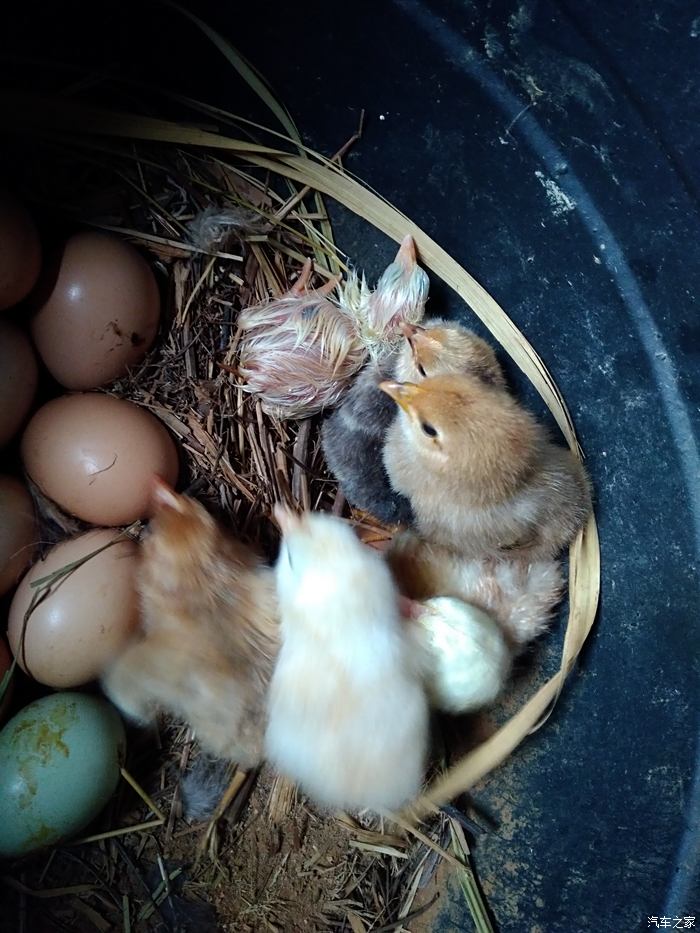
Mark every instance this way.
x=353 y=440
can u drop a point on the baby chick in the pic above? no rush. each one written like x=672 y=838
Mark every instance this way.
x=210 y=632
x=353 y=441
x=399 y=297
x=442 y=347
x=519 y=594
x=348 y=716
x=481 y=474
x=466 y=656
x=298 y=353
x=353 y=436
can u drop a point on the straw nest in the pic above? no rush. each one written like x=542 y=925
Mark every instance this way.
x=229 y=222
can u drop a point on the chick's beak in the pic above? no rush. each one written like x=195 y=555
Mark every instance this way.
x=162 y=495
x=402 y=393
x=406 y=255
x=410 y=330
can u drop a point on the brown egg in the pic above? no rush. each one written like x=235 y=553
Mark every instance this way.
x=18 y=531
x=99 y=313
x=20 y=251
x=95 y=456
x=18 y=378
x=81 y=625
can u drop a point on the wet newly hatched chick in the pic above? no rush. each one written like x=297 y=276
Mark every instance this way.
x=353 y=436
x=210 y=632
x=481 y=473
x=348 y=717
x=519 y=594
x=399 y=297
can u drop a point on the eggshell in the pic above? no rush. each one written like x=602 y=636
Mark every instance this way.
x=59 y=765
x=99 y=312
x=95 y=456
x=467 y=658
x=18 y=379
x=78 y=629
x=20 y=251
x=18 y=531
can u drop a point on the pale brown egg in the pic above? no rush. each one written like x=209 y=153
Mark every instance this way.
x=20 y=251
x=18 y=379
x=98 y=313
x=18 y=531
x=83 y=622
x=95 y=456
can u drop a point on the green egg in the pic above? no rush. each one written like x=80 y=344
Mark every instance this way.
x=59 y=765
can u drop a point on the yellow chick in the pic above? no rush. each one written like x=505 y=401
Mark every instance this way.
x=479 y=471
x=466 y=657
x=442 y=347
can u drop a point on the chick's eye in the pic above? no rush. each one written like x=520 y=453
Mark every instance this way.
x=421 y=370
x=428 y=429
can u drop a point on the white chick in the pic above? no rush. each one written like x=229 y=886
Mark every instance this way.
x=348 y=716
x=466 y=657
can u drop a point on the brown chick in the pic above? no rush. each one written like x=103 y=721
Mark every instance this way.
x=481 y=474
x=443 y=347
x=210 y=632
x=518 y=593
x=353 y=435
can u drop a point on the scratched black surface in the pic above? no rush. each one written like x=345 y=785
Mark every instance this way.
x=459 y=98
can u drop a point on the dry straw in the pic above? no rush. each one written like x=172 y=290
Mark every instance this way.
x=309 y=176
x=74 y=121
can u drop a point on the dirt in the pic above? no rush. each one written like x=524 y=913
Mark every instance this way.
x=279 y=875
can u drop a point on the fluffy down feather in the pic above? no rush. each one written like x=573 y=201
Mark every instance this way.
x=348 y=717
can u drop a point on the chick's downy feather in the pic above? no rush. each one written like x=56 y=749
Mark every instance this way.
x=480 y=472
x=347 y=713
x=519 y=594
x=298 y=353
x=354 y=435
x=353 y=442
x=209 y=632
x=400 y=296
x=441 y=348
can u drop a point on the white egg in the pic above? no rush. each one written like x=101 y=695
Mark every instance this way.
x=466 y=657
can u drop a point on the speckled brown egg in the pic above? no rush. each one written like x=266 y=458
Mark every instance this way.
x=18 y=531
x=81 y=625
x=95 y=456
x=20 y=251
x=99 y=315
x=18 y=379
